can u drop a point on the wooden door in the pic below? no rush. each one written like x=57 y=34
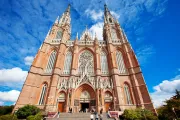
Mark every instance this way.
x=107 y=106
x=61 y=106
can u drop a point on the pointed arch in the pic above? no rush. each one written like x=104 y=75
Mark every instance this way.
x=68 y=62
x=43 y=94
x=113 y=34
x=59 y=34
x=127 y=94
x=51 y=62
x=104 y=63
x=120 y=62
x=86 y=63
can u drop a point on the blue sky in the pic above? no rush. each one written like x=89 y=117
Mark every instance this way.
x=152 y=27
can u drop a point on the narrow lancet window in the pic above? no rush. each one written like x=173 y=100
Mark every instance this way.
x=120 y=62
x=59 y=35
x=51 y=62
x=43 y=93
x=67 y=64
x=104 y=63
x=127 y=94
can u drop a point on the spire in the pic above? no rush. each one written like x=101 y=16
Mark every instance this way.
x=105 y=8
x=68 y=9
x=57 y=19
x=77 y=36
x=108 y=18
x=95 y=37
x=65 y=18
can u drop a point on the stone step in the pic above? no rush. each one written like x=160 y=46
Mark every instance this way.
x=77 y=116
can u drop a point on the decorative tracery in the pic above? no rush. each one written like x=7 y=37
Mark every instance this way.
x=120 y=62
x=86 y=63
x=67 y=64
x=104 y=63
x=43 y=93
x=51 y=62
x=127 y=94
x=59 y=34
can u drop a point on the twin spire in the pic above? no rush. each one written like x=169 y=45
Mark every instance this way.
x=66 y=19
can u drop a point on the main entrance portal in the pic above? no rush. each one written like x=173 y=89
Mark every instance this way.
x=85 y=99
x=84 y=107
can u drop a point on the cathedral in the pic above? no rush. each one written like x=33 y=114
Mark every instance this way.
x=85 y=73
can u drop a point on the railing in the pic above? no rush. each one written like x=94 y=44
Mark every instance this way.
x=55 y=41
x=86 y=42
x=66 y=72
x=102 y=43
x=116 y=42
x=69 y=43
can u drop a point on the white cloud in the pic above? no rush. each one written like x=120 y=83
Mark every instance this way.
x=10 y=96
x=1 y=103
x=12 y=75
x=94 y=15
x=144 y=53
x=98 y=29
x=28 y=60
x=165 y=90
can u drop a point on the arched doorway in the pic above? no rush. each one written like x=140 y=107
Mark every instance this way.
x=85 y=98
x=108 y=100
x=61 y=102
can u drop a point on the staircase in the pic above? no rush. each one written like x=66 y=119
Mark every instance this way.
x=76 y=116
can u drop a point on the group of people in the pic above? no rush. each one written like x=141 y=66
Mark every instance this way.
x=95 y=115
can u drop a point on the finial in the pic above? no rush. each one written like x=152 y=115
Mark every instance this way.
x=86 y=28
x=57 y=20
x=105 y=8
x=77 y=35
x=68 y=9
x=95 y=36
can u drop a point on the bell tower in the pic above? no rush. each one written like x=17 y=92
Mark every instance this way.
x=61 y=28
x=126 y=74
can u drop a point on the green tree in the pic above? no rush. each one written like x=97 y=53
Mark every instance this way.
x=6 y=109
x=8 y=117
x=139 y=114
x=172 y=108
x=26 y=111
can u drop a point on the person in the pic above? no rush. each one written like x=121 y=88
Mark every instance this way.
x=108 y=114
x=96 y=115
x=101 y=116
x=69 y=110
x=58 y=114
x=101 y=111
x=92 y=116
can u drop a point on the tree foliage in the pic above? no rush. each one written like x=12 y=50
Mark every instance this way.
x=172 y=108
x=26 y=111
x=8 y=117
x=35 y=117
x=6 y=109
x=139 y=114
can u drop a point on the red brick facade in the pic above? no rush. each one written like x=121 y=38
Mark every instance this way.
x=120 y=87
